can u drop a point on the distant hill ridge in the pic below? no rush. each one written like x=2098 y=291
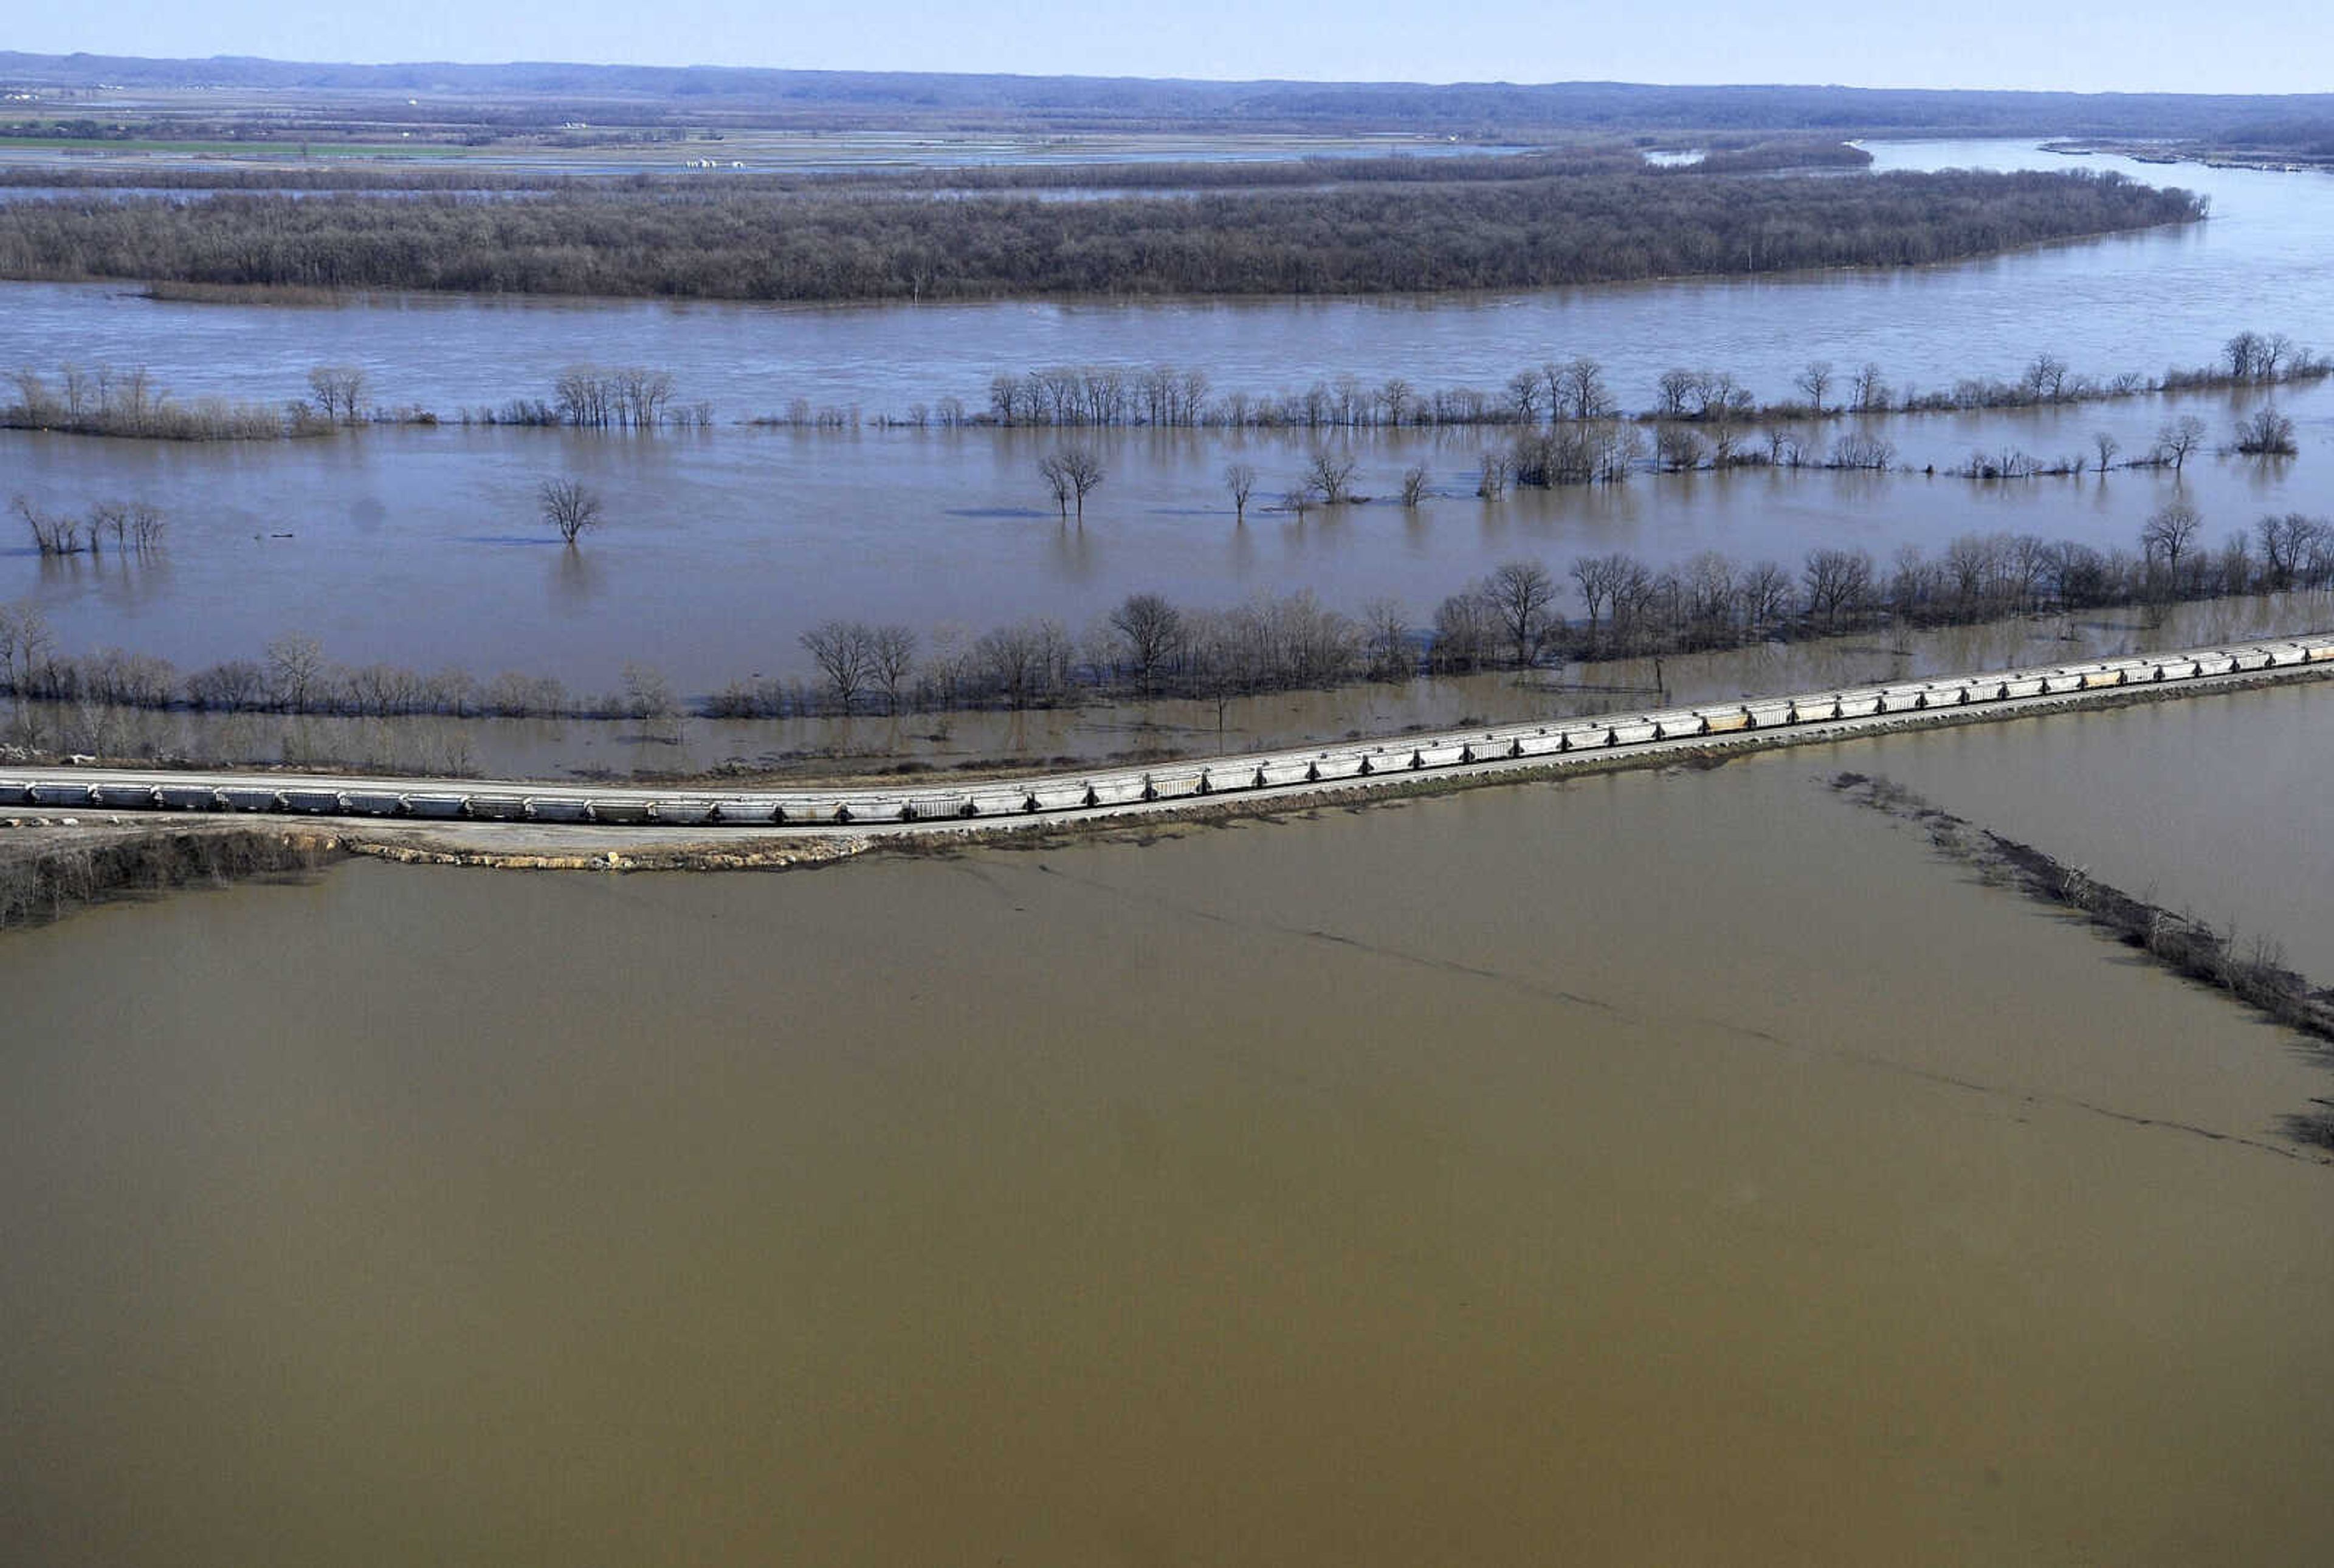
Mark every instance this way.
x=1467 y=108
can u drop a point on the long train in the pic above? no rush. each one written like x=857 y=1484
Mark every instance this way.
x=1345 y=764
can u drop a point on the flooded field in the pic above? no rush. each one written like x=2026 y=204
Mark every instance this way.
x=1652 y=1168
x=1679 y=1167
x=1122 y=731
x=2211 y=805
x=422 y=546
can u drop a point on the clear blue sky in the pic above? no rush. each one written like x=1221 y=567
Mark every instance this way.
x=2083 y=45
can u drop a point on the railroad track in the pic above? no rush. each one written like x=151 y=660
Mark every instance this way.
x=1348 y=765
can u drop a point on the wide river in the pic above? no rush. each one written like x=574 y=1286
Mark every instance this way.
x=1651 y=1167
x=421 y=546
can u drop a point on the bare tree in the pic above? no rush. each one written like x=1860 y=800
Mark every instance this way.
x=1598 y=579
x=2266 y=433
x=891 y=658
x=1413 y=484
x=1239 y=479
x=1491 y=479
x=1677 y=450
x=844 y=651
x=1815 y=383
x=1520 y=592
x=2045 y=380
x=569 y=506
x=2178 y=440
x=295 y=662
x=1576 y=390
x=109 y=517
x=1072 y=472
x=339 y=390
x=2286 y=544
x=1331 y=476
x=54 y=533
x=2107 y=446
x=1675 y=392
x=1297 y=498
x=1862 y=449
x=649 y=701
x=1523 y=397
x=1465 y=629
x=1385 y=628
x=1057 y=475
x=2168 y=531
x=1150 y=630
x=1765 y=591
x=147 y=526
x=1838 y=584
x=1867 y=391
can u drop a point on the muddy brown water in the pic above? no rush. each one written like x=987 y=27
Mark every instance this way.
x=1643 y=1168
x=2215 y=807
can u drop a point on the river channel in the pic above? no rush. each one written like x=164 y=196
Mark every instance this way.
x=421 y=546
x=1679 y=1167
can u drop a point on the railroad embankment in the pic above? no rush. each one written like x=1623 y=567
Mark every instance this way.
x=80 y=834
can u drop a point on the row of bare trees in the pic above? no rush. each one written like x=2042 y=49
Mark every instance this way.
x=126 y=525
x=622 y=397
x=1578 y=391
x=293 y=676
x=1148 y=646
x=109 y=400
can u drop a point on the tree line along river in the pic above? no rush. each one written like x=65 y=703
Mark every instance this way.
x=422 y=546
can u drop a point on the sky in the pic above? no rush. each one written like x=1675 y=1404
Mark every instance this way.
x=2078 y=45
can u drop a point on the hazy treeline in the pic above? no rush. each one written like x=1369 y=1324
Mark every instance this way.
x=546 y=95
x=1374 y=238
x=1620 y=607
x=1727 y=154
x=2300 y=135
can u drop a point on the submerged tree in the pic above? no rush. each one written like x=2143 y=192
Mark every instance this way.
x=2266 y=433
x=569 y=506
x=1240 y=480
x=1070 y=472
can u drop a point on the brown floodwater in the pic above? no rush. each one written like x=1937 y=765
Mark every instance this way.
x=2214 y=805
x=1648 y=1167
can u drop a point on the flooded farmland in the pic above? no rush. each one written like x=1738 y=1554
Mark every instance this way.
x=422 y=545
x=1649 y=1167
x=1644 y=1167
